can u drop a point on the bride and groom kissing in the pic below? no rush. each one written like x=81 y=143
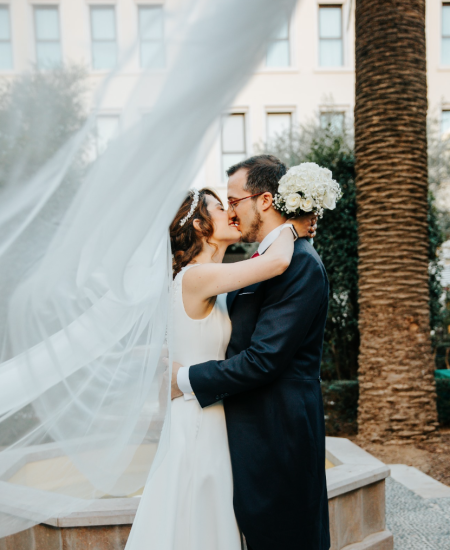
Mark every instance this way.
x=247 y=435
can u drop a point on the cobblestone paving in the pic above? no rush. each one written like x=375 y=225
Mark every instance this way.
x=415 y=522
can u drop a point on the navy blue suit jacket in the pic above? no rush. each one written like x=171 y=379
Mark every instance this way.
x=270 y=383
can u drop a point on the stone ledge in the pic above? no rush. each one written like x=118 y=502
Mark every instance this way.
x=348 y=477
x=377 y=541
x=356 y=491
x=418 y=482
x=354 y=468
x=110 y=511
x=343 y=451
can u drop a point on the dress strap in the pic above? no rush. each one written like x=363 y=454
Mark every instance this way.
x=179 y=276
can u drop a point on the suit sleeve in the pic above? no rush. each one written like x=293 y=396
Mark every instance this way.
x=291 y=304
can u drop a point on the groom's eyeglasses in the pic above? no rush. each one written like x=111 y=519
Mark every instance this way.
x=232 y=204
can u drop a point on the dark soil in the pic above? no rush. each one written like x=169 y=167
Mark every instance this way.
x=431 y=458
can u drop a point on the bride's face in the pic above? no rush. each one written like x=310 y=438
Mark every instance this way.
x=225 y=231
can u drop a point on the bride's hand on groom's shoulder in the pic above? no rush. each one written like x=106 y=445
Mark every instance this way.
x=305 y=226
x=175 y=390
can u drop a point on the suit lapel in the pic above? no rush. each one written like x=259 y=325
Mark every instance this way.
x=232 y=295
x=230 y=299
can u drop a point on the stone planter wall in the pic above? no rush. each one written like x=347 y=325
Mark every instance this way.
x=356 y=492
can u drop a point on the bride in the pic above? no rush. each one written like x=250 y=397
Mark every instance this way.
x=187 y=503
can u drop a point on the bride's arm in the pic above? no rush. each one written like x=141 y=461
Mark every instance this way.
x=209 y=280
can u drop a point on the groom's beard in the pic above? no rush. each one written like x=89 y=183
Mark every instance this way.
x=251 y=235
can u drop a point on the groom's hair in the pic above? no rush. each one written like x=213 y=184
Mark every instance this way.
x=263 y=173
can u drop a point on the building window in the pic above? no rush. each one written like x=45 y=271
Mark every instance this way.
x=446 y=34
x=106 y=130
x=331 y=51
x=5 y=40
x=333 y=120
x=48 y=44
x=233 y=140
x=278 y=124
x=151 y=35
x=103 y=31
x=278 y=51
x=445 y=124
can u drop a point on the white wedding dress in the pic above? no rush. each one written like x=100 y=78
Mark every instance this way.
x=187 y=503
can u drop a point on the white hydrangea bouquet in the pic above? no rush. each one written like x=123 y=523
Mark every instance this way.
x=307 y=188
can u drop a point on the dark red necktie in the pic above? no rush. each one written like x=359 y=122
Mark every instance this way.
x=255 y=255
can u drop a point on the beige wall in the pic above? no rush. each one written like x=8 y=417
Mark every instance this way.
x=303 y=88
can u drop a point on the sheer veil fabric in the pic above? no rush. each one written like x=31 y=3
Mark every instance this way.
x=85 y=272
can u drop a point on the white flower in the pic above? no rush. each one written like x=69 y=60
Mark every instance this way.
x=292 y=202
x=286 y=188
x=306 y=205
x=308 y=187
x=329 y=199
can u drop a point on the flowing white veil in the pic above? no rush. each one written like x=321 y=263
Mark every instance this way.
x=85 y=271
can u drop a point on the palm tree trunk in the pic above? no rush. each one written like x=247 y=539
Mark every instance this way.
x=397 y=390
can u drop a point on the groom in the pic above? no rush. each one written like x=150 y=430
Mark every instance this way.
x=270 y=381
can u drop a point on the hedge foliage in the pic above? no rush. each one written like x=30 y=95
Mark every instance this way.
x=337 y=244
x=336 y=241
x=443 y=401
x=340 y=401
x=61 y=96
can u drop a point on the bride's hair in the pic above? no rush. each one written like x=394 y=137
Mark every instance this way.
x=185 y=240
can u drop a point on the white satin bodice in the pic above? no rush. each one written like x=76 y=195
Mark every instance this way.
x=198 y=340
x=187 y=503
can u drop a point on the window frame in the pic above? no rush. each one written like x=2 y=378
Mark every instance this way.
x=333 y=112
x=37 y=41
x=146 y=41
x=271 y=112
x=103 y=7
x=289 y=49
x=222 y=152
x=103 y=115
x=445 y=37
x=339 y=5
x=445 y=134
x=10 y=40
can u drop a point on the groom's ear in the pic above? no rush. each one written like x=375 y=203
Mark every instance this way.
x=266 y=201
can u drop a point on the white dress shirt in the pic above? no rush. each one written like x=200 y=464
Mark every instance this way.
x=183 y=374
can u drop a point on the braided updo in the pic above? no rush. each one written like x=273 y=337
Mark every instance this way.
x=185 y=240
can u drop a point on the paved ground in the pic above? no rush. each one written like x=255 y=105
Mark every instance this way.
x=417 y=523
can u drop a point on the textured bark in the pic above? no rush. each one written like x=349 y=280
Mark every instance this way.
x=397 y=391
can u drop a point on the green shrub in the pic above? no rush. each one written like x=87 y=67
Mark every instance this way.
x=336 y=241
x=337 y=244
x=340 y=401
x=443 y=401
x=29 y=137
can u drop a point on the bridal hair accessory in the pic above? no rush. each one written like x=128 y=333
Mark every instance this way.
x=307 y=188
x=193 y=207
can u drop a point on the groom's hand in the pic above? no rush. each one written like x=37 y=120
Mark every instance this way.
x=176 y=392
x=313 y=227
x=305 y=226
